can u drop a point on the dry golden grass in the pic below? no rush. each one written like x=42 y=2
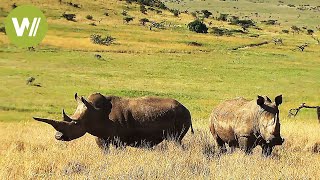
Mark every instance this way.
x=29 y=151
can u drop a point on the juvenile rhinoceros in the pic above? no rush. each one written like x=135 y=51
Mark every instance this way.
x=246 y=124
x=115 y=120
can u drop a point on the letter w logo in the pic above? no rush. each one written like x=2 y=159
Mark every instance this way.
x=25 y=25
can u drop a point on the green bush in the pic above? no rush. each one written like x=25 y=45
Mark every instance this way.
x=89 y=17
x=206 y=13
x=198 y=26
x=97 y=39
x=143 y=9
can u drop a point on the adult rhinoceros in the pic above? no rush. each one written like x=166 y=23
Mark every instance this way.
x=145 y=121
x=246 y=124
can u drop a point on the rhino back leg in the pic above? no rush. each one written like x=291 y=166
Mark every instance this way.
x=102 y=144
x=221 y=145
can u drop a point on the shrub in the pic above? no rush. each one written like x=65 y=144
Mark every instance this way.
x=198 y=26
x=97 y=39
x=194 y=14
x=3 y=30
x=295 y=29
x=206 y=13
x=285 y=31
x=13 y=6
x=270 y=22
x=127 y=19
x=175 y=12
x=310 y=31
x=143 y=9
x=69 y=17
x=193 y=43
x=124 y=12
x=221 y=31
x=143 y=21
x=89 y=17
x=223 y=17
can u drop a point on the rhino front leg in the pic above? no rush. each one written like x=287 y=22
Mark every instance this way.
x=103 y=144
x=245 y=144
x=266 y=149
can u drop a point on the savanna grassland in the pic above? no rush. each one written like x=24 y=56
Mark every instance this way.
x=164 y=63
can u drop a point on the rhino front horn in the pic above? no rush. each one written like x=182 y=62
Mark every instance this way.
x=58 y=125
x=65 y=116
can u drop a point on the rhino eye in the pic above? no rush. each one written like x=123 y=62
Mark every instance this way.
x=75 y=122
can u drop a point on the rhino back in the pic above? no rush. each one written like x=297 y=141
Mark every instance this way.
x=146 y=115
x=234 y=118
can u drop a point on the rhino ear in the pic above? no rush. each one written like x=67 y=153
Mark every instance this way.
x=278 y=100
x=260 y=100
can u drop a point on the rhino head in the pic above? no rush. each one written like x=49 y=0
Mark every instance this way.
x=268 y=120
x=74 y=126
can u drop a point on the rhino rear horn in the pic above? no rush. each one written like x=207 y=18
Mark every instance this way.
x=87 y=104
x=65 y=116
x=58 y=125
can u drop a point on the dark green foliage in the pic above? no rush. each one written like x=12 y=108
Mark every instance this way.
x=245 y=24
x=89 y=17
x=270 y=22
x=152 y=3
x=310 y=31
x=194 y=14
x=69 y=17
x=143 y=9
x=295 y=29
x=127 y=19
x=193 y=43
x=13 y=6
x=206 y=13
x=124 y=12
x=175 y=12
x=198 y=26
x=223 y=17
x=97 y=39
x=285 y=31
x=221 y=31
x=143 y=21
x=3 y=30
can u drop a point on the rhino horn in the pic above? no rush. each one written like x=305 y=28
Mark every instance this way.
x=58 y=125
x=65 y=116
x=87 y=104
x=76 y=97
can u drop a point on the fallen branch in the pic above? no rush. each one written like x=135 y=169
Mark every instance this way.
x=293 y=112
x=251 y=45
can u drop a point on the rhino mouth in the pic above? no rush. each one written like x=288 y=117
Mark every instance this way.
x=61 y=137
x=276 y=141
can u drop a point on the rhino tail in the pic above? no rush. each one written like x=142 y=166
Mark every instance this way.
x=192 y=131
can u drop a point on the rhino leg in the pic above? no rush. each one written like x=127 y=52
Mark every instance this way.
x=103 y=144
x=221 y=145
x=233 y=145
x=245 y=144
x=266 y=150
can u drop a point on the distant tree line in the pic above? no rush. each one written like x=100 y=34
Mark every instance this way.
x=152 y=3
